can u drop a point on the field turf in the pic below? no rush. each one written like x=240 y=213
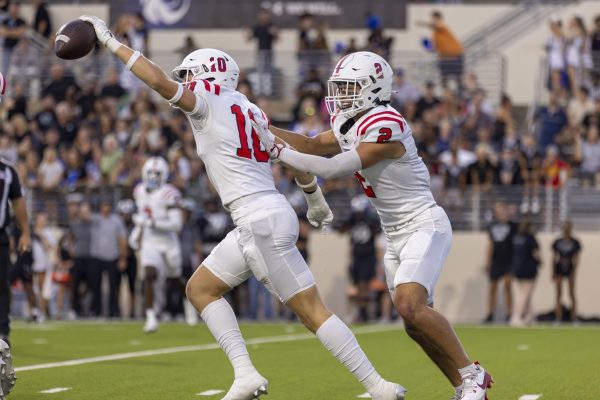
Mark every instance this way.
x=558 y=362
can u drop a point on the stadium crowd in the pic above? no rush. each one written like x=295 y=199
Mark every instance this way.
x=81 y=146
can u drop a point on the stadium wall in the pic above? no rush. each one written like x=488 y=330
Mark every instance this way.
x=461 y=293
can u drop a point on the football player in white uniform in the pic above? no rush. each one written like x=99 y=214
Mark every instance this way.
x=373 y=141
x=157 y=222
x=264 y=240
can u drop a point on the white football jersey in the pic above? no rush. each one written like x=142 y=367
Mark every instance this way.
x=236 y=163
x=398 y=188
x=156 y=204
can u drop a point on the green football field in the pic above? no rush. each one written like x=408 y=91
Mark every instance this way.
x=92 y=361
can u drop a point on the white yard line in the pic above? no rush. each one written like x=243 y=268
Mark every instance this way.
x=185 y=349
x=55 y=390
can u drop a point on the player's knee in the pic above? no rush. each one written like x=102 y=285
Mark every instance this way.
x=408 y=308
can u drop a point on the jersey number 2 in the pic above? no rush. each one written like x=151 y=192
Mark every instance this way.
x=365 y=185
x=245 y=151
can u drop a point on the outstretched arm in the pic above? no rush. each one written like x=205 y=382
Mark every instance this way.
x=323 y=144
x=147 y=71
x=366 y=155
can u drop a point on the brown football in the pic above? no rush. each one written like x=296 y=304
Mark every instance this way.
x=74 y=40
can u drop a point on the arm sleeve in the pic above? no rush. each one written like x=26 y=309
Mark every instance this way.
x=340 y=165
x=14 y=192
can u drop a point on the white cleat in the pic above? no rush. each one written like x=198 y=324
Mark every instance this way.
x=151 y=324
x=389 y=391
x=247 y=388
x=475 y=385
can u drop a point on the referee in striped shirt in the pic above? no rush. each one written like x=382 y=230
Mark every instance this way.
x=10 y=194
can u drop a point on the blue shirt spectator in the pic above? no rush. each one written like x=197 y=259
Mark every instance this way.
x=551 y=121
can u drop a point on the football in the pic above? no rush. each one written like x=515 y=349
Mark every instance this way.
x=74 y=40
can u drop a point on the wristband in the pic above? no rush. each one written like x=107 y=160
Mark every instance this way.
x=308 y=185
x=134 y=57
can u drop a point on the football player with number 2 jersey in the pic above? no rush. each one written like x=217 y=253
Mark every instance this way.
x=373 y=141
x=157 y=222
x=264 y=240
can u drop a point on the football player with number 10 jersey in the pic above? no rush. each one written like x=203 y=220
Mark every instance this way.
x=264 y=240
x=373 y=141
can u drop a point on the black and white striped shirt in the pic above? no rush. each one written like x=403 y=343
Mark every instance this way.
x=10 y=189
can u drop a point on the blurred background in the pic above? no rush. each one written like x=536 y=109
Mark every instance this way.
x=503 y=98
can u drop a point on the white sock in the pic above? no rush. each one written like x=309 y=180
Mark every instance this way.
x=471 y=369
x=35 y=312
x=150 y=314
x=341 y=342
x=220 y=320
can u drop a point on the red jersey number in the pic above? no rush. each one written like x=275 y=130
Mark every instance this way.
x=365 y=185
x=245 y=151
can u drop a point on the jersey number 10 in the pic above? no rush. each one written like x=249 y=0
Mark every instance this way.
x=245 y=151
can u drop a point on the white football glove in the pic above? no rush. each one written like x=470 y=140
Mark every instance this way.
x=103 y=34
x=268 y=140
x=319 y=214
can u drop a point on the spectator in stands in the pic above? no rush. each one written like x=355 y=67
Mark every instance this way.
x=75 y=172
x=530 y=168
x=13 y=28
x=428 y=100
x=566 y=250
x=377 y=42
x=310 y=122
x=526 y=260
x=18 y=103
x=139 y=35
x=555 y=49
x=61 y=276
x=28 y=171
x=46 y=117
x=352 y=46
x=61 y=86
x=313 y=50
x=84 y=270
x=588 y=155
x=504 y=133
x=482 y=172
x=87 y=99
x=189 y=45
x=556 y=171
x=478 y=119
x=311 y=86
x=499 y=259
x=595 y=44
x=111 y=155
x=403 y=91
x=450 y=50
x=577 y=53
x=550 y=122
x=41 y=22
x=109 y=251
x=67 y=123
x=363 y=231
x=579 y=105
x=112 y=88
x=265 y=32
x=509 y=169
x=50 y=171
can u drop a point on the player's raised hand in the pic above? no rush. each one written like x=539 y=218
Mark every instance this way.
x=268 y=139
x=103 y=34
x=319 y=214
